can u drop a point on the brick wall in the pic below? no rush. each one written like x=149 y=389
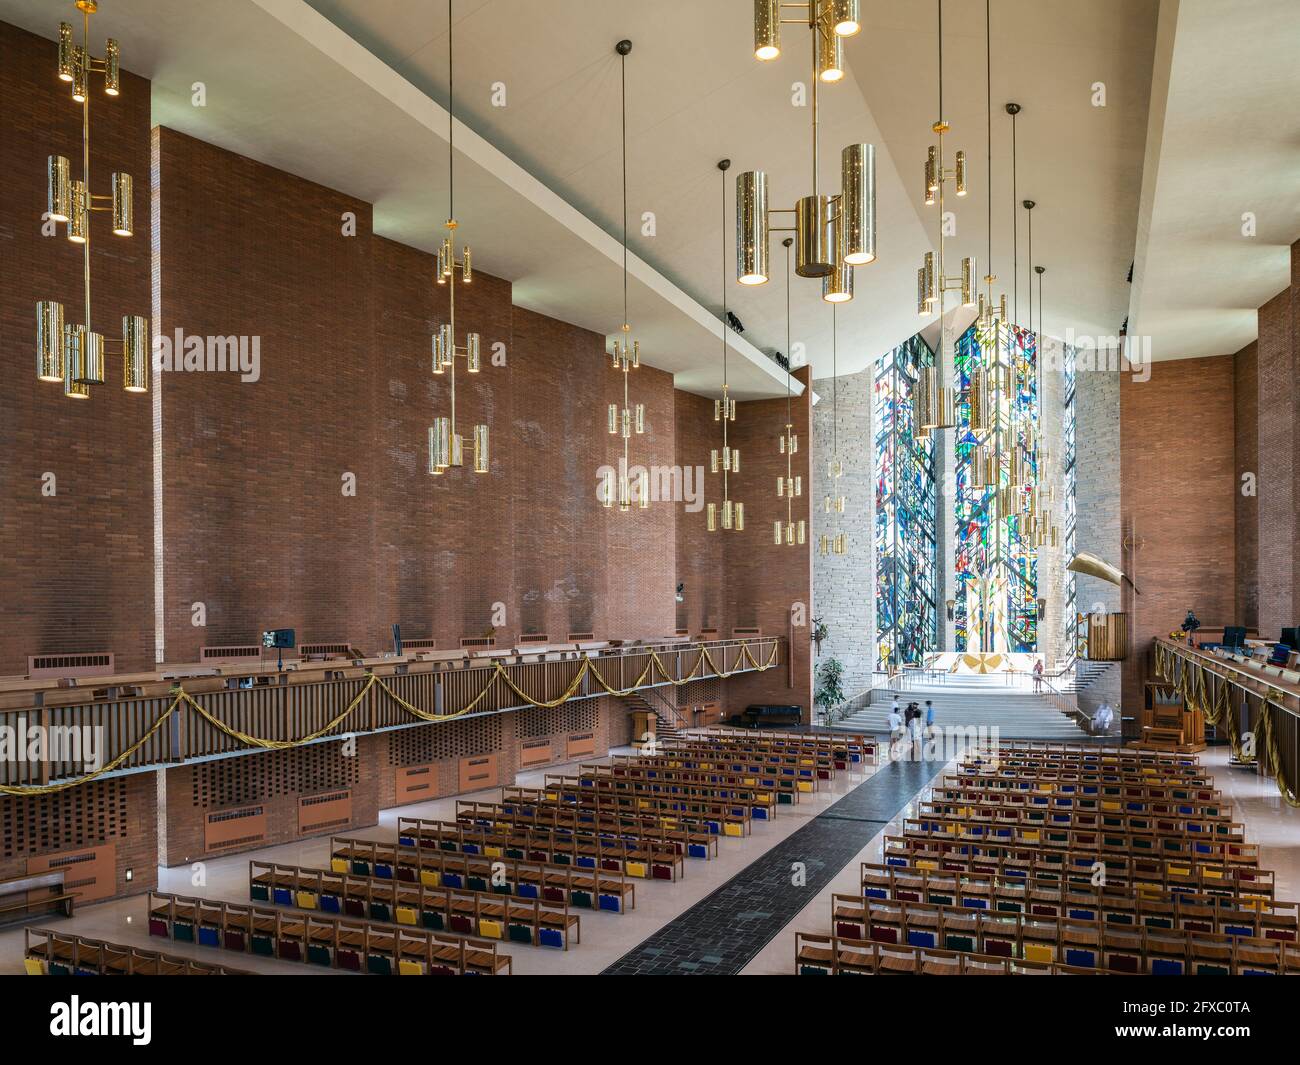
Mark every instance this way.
x=699 y=553
x=75 y=566
x=1245 y=394
x=1275 y=378
x=1178 y=479
x=119 y=813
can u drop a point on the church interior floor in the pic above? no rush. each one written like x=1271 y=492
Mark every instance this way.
x=823 y=832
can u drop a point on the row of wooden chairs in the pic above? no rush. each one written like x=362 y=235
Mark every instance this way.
x=826 y=955
x=788 y=790
x=1114 y=786
x=955 y=791
x=567 y=820
x=846 y=748
x=635 y=858
x=1141 y=903
x=995 y=813
x=1086 y=944
x=490 y=915
x=808 y=765
x=1188 y=847
x=699 y=799
x=718 y=819
x=333 y=942
x=1089 y=753
x=610 y=892
x=50 y=953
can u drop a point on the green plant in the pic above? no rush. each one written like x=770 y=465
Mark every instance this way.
x=819 y=633
x=830 y=686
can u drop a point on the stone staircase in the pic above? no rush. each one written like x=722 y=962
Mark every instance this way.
x=1016 y=713
x=1083 y=677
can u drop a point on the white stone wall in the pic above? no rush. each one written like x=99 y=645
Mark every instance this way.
x=844 y=586
x=1097 y=505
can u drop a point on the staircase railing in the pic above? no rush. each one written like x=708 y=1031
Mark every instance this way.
x=659 y=703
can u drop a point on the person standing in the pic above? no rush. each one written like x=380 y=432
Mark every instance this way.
x=1038 y=675
x=929 y=718
x=895 y=724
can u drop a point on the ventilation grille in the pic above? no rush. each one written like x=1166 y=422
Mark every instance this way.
x=259 y=777
x=534 y=637
x=698 y=692
x=90 y=664
x=308 y=649
x=83 y=816
x=451 y=739
x=578 y=715
x=419 y=645
x=581 y=637
x=236 y=653
x=478 y=641
x=747 y=632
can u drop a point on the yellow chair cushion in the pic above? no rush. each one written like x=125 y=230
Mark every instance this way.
x=732 y=829
x=338 y=865
x=406 y=915
x=636 y=869
x=491 y=929
x=926 y=863
x=306 y=900
x=804 y=785
x=409 y=968
x=33 y=967
x=493 y=852
x=750 y=781
x=430 y=878
x=1038 y=952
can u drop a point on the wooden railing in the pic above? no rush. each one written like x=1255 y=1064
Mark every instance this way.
x=285 y=711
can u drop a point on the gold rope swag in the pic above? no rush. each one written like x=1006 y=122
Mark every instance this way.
x=183 y=698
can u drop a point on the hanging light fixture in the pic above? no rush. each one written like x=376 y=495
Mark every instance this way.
x=625 y=354
x=991 y=313
x=833 y=233
x=727 y=461
x=67 y=352
x=938 y=409
x=446 y=446
x=789 y=487
x=838 y=543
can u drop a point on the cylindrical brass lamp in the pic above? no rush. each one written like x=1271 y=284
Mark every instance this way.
x=59 y=194
x=751 y=228
x=49 y=341
x=135 y=353
x=814 y=237
x=767 y=29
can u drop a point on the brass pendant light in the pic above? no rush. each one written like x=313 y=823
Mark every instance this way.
x=727 y=461
x=833 y=233
x=73 y=353
x=446 y=446
x=992 y=313
x=936 y=406
x=789 y=487
x=625 y=356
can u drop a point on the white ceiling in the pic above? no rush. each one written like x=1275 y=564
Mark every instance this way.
x=1224 y=140
x=349 y=93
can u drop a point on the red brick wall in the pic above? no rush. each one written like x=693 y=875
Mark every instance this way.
x=1178 y=490
x=766 y=582
x=1276 y=457
x=75 y=568
x=121 y=812
x=1245 y=394
x=699 y=552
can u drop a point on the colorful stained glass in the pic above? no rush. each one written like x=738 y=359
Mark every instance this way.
x=996 y=564
x=906 y=621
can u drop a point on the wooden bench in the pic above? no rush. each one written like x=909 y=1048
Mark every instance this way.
x=638 y=858
x=333 y=942
x=825 y=955
x=23 y=896
x=610 y=892
x=553 y=819
x=1122 y=903
x=51 y=953
x=488 y=914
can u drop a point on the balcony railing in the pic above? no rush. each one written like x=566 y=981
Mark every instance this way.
x=148 y=732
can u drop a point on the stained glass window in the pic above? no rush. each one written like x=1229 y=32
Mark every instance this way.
x=996 y=565
x=1068 y=454
x=906 y=621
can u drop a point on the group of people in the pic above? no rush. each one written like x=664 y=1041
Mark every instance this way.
x=911 y=724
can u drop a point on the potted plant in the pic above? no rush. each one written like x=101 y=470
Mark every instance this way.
x=819 y=633
x=830 y=687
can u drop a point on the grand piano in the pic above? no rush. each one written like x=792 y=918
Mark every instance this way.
x=761 y=715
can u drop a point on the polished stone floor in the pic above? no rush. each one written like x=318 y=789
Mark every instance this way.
x=736 y=913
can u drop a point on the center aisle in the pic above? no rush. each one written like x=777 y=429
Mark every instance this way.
x=722 y=932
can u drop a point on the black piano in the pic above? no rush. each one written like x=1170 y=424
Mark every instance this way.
x=760 y=715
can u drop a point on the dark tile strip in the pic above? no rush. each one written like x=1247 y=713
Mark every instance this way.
x=721 y=933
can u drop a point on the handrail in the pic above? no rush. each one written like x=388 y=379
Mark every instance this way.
x=139 y=733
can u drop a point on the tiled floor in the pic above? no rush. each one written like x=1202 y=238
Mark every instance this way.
x=742 y=906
